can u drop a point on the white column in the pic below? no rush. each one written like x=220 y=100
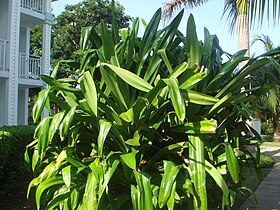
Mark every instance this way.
x=26 y=95
x=14 y=31
x=27 y=49
x=46 y=48
x=23 y=106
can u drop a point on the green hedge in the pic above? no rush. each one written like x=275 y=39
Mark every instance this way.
x=13 y=140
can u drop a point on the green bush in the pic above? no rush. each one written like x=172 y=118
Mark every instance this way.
x=6 y=148
x=267 y=129
x=13 y=141
x=156 y=122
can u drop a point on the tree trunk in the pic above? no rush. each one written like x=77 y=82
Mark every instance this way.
x=243 y=35
x=276 y=126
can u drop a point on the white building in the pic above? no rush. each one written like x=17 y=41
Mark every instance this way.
x=19 y=70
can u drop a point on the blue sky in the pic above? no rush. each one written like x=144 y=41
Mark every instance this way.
x=209 y=16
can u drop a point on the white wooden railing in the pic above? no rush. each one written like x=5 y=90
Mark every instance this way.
x=3 y=54
x=36 y=5
x=29 y=67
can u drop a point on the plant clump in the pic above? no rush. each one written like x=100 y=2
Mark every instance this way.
x=152 y=122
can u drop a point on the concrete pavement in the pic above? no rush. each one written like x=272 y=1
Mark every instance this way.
x=268 y=192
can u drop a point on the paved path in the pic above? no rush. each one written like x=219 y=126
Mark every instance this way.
x=268 y=192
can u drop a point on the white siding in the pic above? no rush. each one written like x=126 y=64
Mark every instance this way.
x=3 y=101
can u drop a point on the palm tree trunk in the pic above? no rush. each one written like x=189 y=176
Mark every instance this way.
x=243 y=35
x=276 y=126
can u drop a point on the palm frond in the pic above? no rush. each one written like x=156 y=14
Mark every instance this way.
x=171 y=7
x=230 y=8
x=268 y=44
x=258 y=9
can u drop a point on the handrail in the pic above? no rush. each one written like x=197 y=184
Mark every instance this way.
x=36 y=5
x=3 y=54
x=29 y=67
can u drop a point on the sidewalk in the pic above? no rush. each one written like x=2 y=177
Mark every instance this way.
x=268 y=192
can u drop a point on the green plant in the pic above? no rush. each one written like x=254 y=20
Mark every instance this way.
x=266 y=161
x=150 y=123
x=6 y=146
x=13 y=141
x=267 y=129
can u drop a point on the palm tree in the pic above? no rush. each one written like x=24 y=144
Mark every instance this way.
x=265 y=39
x=240 y=12
x=267 y=77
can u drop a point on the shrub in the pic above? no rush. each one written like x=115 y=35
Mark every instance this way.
x=6 y=149
x=157 y=122
x=267 y=129
x=13 y=141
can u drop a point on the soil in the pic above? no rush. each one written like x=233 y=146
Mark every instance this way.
x=15 y=198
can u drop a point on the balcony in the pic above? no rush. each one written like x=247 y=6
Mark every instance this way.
x=3 y=54
x=29 y=67
x=35 y=5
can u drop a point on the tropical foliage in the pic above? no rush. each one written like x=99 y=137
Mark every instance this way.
x=68 y=25
x=240 y=13
x=267 y=77
x=257 y=10
x=157 y=122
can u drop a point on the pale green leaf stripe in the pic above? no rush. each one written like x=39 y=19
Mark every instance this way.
x=90 y=200
x=171 y=200
x=179 y=70
x=167 y=183
x=199 y=127
x=135 y=198
x=199 y=98
x=214 y=173
x=89 y=90
x=103 y=132
x=176 y=98
x=198 y=175
x=130 y=78
x=144 y=186
x=66 y=175
x=232 y=163
x=193 y=80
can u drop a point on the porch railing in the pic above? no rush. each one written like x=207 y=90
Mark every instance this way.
x=36 y=5
x=3 y=54
x=29 y=67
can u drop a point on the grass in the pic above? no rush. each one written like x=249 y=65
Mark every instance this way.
x=267 y=141
x=251 y=180
x=267 y=138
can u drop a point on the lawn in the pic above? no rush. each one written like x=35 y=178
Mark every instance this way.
x=267 y=140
